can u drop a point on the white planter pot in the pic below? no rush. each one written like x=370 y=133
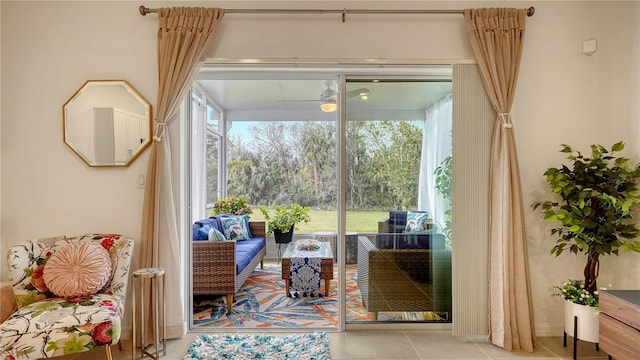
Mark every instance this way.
x=588 y=317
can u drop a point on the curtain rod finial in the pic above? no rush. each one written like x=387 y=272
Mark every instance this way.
x=531 y=11
x=143 y=10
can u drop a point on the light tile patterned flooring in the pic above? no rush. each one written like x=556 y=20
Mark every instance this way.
x=397 y=345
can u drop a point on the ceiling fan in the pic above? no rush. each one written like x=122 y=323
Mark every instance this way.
x=328 y=97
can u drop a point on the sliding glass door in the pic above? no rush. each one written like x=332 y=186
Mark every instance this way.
x=272 y=138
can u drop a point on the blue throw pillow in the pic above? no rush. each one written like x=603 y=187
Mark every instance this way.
x=234 y=227
x=246 y=221
x=417 y=222
x=203 y=233
x=215 y=235
x=211 y=221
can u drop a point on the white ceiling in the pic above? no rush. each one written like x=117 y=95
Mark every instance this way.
x=299 y=99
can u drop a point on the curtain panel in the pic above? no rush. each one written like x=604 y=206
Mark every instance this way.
x=436 y=146
x=198 y=160
x=496 y=36
x=184 y=36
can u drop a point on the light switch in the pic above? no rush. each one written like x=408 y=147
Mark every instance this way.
x=140 y=181
x=589 y=47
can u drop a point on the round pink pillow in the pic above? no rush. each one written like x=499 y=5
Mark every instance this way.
x=77 y=269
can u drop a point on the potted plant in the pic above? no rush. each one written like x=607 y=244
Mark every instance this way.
x=284 y=219
x=232 y=205
x=591 y=209
x=582 y=304
x=443 y=175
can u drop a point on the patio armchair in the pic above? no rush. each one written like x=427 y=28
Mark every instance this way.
x=404 y=279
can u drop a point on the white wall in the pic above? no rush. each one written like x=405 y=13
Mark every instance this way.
x=50 y=48
x=1 y=243
x=567 y=97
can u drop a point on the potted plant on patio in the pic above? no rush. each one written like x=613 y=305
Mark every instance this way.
x=591 y=209
x=443 y=176
x=232 y=205
x=283 y=220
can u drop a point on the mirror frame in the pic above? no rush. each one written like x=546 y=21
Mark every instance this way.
x=136 y=95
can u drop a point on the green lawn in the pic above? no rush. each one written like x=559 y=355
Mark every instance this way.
x=324 y=220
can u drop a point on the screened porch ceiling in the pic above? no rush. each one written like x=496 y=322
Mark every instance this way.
x=269 y=98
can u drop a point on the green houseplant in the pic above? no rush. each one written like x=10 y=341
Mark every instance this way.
x=591 y=209
x=443 y=175
x=284 y=219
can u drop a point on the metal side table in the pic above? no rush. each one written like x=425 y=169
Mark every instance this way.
x=155 y=310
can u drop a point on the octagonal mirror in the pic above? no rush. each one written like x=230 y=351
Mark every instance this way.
x=107 y=123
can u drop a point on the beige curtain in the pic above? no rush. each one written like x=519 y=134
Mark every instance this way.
x=496 y=36
x=184 y=36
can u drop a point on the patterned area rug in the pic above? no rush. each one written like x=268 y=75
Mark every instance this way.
x=272 y=347
x=262 y=303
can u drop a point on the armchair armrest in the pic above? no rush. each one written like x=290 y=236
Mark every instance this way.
x=383 y=226
x=214 y=267
x=257 y=228
x=364 y=248
x=8 y=303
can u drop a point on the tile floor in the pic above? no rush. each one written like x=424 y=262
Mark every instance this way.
x=396 y=345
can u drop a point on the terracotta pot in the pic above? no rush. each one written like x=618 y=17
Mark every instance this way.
x=588 y=317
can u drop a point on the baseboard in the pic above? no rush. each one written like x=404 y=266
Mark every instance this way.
x=549 y=331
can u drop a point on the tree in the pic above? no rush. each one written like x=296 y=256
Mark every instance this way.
x=296 y=162
x=358 y=184
x=592 y=206
x=318 y=148
x=396 y=159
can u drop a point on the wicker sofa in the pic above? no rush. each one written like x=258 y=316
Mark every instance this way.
x=222 y=267
x=402 y=278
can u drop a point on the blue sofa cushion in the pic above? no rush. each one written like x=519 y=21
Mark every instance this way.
x=200 y=229
x=397 y=220
x=198 y=233
x=203 y=232
x=424 y=240
x=212 y=222
x=246 y=250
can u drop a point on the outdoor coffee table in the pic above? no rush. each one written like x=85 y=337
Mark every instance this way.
x=326 y=265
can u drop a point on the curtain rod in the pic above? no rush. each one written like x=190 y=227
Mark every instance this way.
x=145 y=10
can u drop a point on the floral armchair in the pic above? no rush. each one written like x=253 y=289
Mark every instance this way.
x=46 y=326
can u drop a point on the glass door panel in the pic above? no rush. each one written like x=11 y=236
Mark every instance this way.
x=271 y=139
x=398 y=190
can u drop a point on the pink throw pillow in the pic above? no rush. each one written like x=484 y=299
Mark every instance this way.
x=78 y=269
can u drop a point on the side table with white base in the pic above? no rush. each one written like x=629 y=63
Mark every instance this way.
x=156 y=278
x=351 y=246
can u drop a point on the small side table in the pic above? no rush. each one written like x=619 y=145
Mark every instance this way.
x=351 y=245
x=155 y=276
